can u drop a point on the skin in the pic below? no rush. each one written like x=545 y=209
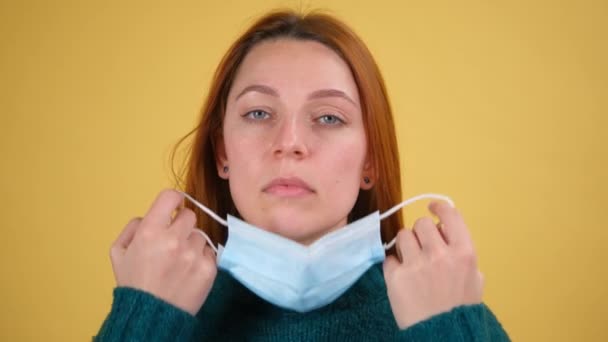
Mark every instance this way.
x=287 y=134
x=436 y=270
x=292 y=133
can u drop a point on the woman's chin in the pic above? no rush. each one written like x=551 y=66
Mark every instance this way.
x=301 y=223
x=290 y=228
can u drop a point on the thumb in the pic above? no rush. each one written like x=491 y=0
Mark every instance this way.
x=390 y=264
x=123 y=240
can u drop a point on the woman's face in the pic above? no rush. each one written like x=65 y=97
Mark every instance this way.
x=293 y=140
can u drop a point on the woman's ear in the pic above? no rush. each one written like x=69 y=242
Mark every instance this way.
x=221 y=160
x=368 y=175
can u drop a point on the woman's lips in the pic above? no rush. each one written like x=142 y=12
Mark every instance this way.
x=288 y=187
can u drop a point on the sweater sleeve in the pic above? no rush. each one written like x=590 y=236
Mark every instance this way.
x=464 y=323
x=137 y=315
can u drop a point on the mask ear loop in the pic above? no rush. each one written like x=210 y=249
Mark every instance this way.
x=384 y=215
x=409 y=201
x=210 y=213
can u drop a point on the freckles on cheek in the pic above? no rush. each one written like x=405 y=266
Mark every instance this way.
x=346 y=167
x=244 y=152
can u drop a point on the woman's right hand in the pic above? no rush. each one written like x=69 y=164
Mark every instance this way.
x=165 y=256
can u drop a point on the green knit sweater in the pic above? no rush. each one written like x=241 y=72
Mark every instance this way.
x=233 y=313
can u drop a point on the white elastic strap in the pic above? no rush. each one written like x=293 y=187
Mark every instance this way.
x=208 y=212
x=206 y=238
x=408 y=202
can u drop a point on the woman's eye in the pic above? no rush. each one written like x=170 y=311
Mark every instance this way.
x=257 y=115
x=329 y=119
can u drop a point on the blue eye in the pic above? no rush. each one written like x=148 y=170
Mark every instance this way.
x=257 y=115
x=330 y=119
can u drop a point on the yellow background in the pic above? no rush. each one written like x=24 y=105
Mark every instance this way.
x=502 y=106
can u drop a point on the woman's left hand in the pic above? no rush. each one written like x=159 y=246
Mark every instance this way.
x=438 y=268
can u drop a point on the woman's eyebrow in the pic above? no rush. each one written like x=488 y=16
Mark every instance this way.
x=331 y=93
x=317 y=94
x=260 y=88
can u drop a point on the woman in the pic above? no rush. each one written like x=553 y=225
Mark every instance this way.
x=296 y=137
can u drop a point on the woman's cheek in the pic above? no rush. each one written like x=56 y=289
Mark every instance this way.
x=244 y=143
x=347 y=164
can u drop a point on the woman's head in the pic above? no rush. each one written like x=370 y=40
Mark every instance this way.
x=296 y=135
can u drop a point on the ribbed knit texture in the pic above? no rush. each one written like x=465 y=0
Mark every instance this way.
x=138 y=316
x=233 y=313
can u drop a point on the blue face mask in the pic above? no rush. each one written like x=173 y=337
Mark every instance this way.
x=298 y=277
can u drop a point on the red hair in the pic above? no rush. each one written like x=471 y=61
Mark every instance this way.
x=202 y=180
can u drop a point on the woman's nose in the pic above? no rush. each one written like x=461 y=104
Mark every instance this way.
x=290 y=139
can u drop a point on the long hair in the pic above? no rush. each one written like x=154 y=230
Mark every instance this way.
x=202 y=180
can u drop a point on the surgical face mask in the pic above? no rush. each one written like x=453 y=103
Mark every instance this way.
x=298 y=277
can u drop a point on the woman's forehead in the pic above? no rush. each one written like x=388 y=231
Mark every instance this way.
x=289 y=64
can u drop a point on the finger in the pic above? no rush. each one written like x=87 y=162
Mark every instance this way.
x=454 y=229
x=184 y=222
x=407 y=246
x=390 y=265
x=196 y=240
x=122 y=242
x=209 y=252
x=202 y=242
x=209 y=246
x=441 y=231
x=126 y=236
x=160 y=212
x=428 y=235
